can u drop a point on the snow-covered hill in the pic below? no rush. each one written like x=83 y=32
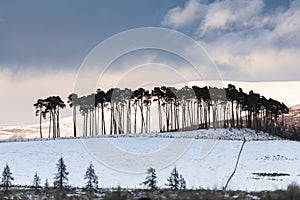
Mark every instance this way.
x=33 y=131
x=120 y=160
x=293 y=117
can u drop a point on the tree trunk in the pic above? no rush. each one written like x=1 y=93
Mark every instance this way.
x=74 y=121
x=57 y=123
x=53 y=124
x=159 y=115
x=135 y=113
x=128 y=130
x=237 y=115
x=98 y=121
x=255 y=119
x=111 y=118
x=41 y=133
x=50 y=124
x=142 y=116
x=103 y=120
x=232 y=114
x=241 y=118
x=183 y=115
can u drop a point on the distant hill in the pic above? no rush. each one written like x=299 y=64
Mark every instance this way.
x=33 y=131
x=293 y=118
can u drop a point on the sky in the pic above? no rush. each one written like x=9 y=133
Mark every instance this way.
x=44 y=43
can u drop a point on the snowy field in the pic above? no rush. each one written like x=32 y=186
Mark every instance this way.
x=122 y=160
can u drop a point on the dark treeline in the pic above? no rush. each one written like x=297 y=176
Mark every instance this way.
x=188 y=108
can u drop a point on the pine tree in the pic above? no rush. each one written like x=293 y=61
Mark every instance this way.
x=173 y=180
x=36 y=180
x=91 y=177
x=60 y=179
x=6 y=177
x=46 y=184
x=150 y=181
x=182 y=183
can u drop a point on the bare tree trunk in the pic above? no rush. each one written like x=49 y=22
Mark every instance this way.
x=159 y=115
x=171 y=116
x=147 y=120
x=111 y=118
x=129 y=117
x=50 y=120
x=123 y=119
x=255 y=119
x=57 y=123
x=241 y=118
x=200 y=115
x=135 y=113
x=41 y=133
x=114 y=120
x=167 y=117
x=142 y=116
x=83 y=130
x=232 y=114
x=90 y=114
x=206 y=110
x=86 y=123
x=74 y=121
x=175 y=117
x=209 y=116
x=98 y=121
x=183 y=115
x=119 y=111
x=189 y=113
x=53 y=125
x=237 y=115
x=103 y=120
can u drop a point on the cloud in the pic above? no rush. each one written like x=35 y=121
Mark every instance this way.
x=216 y=15
x=178 y=17
x=19 y=91
x=230 y=14
x=259 y=65
x=249 y=40
x=287 y=27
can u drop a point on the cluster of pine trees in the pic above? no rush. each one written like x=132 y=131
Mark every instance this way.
x=175 y=181
x=60 y=177
x=188 y=108
x=50 y=106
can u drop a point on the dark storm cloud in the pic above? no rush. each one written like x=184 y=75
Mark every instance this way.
x=56 y=34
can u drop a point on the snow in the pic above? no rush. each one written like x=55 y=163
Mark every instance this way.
x=223 y=134
x=33 y=131
x=204 y=161
x=272 y=157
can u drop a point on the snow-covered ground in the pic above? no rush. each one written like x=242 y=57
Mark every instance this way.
x=222 y=134
x=122 y=160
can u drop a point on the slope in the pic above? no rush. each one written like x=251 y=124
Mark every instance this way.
x=261 y=166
